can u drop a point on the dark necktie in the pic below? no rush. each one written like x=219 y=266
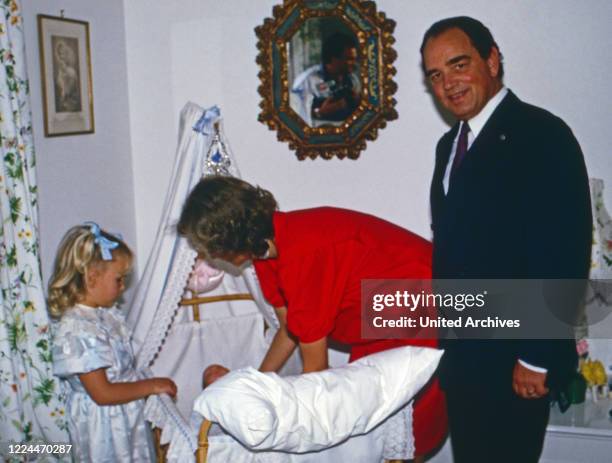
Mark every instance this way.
x=462 y=147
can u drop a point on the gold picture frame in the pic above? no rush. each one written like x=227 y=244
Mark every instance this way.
x=65 y=67
x=289 y=48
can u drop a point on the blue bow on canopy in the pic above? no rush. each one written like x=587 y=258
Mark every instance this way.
x=106 y=245
x=210 y=116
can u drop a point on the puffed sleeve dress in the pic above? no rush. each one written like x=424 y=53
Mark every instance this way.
x=323 y=255
x=87 y=339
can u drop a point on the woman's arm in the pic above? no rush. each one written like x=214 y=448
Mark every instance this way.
x=314 y=355
x=282 y=345
x=103 y=392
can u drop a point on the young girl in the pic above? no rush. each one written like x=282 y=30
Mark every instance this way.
x=93 y=353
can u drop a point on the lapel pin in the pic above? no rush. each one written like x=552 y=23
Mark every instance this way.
x=502 y=137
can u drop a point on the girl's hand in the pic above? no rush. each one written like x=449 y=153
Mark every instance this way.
x=164 y=386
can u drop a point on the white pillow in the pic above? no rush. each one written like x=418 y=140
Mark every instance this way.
x=316 y=410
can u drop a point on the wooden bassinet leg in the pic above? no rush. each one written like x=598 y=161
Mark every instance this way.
x=202 y=451
x=160 y=450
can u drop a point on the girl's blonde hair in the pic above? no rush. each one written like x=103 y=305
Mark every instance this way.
x=76 y=254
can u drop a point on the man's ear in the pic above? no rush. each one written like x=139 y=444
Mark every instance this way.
x=493 y=62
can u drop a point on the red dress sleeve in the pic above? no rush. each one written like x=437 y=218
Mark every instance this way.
x=268 y=280
x=313 y=285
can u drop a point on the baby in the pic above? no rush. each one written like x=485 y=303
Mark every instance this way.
x=212 y=373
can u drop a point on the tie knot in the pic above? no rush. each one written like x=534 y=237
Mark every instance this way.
x=465 y=129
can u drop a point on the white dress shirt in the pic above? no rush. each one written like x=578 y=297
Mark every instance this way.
x=476 y=125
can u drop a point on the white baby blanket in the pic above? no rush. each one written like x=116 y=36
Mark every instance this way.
x=313 y=411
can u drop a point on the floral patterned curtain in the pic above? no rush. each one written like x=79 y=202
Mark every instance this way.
x=30 y=406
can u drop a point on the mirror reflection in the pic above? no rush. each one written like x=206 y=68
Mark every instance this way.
x=326 y=75
x=323 y=72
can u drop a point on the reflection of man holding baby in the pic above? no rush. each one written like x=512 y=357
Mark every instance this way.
x=329 y=92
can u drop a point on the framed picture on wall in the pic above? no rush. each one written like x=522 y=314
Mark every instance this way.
x=65 y=64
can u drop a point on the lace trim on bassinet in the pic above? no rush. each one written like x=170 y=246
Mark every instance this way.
x=399 y=439
x=183 y=263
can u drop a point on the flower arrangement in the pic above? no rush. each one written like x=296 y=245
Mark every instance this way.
x=593 y=372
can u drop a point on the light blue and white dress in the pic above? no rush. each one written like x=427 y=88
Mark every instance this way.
x=87 y=339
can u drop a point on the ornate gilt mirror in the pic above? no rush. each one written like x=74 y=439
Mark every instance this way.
x=326 y=75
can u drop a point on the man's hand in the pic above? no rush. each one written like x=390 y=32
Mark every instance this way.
x=331 y=106
x=527 y=383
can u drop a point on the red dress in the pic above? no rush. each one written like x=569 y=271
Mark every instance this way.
x=323 y=254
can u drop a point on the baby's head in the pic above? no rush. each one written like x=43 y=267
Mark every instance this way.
x=213 y=373
x=90 y=264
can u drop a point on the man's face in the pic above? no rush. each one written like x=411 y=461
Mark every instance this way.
x=462 y=81
x=346 y=63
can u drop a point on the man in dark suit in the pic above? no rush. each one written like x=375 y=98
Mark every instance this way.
x=509 y=200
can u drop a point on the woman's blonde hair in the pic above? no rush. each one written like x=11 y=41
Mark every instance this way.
x=79 y=250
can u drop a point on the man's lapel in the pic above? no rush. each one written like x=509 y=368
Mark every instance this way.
x=443 y=155
x=495 y=129
x=437 y=195
x=490 y=145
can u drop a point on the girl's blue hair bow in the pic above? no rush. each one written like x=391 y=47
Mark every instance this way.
x=106 y=245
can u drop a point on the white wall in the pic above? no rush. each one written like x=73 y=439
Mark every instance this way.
x=85 y=177
x=556 y=54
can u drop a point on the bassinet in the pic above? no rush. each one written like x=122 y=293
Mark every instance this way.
x=376 y=442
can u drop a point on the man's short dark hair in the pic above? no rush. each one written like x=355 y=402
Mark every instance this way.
x=477 y=32
x=334 y=46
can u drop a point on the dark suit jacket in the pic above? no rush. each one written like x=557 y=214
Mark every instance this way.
x=518 y=207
